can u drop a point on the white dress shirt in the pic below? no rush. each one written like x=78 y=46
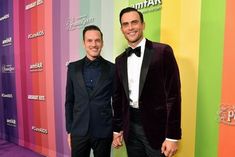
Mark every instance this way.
x=134 y=64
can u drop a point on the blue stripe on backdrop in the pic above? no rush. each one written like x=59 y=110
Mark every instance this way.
x=8 y=90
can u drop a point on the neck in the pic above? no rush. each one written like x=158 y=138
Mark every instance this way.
x=134 y=44
x=92 y=58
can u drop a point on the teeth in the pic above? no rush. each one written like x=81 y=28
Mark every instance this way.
x=133 y=33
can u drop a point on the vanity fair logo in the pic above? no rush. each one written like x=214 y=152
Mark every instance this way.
x=7 y=95
x=227 y=114
x=40 y=130
x=11 y=122
x=79 y=22
x=33 y=4
x=36 y=97
x=36 y=67
x=8 y=68
x=37 y=34
x=4 y=17
x=157 y=4
x=7 y=41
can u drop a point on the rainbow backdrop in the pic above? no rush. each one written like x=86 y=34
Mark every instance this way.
x=200 y=32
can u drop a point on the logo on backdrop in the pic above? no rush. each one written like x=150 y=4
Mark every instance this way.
x=4 y=95
x=227 y=114
x=40 y=130
x=7 y=41
x=4 y=17
x=149 y=5
x=8 y=68
x=36 y=97
x=37 y=34
x=36 y=67
x=33 y=4
x=11 y=122
x=79 y=22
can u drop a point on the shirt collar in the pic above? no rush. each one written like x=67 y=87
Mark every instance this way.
x=141 y=44
x=95 y=62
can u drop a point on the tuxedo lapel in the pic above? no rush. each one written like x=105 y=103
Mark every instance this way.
x=79 y=75
x=145 y=65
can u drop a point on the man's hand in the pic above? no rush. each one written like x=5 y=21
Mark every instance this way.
x=169 y=148
x=117 y=139
x=69 y=140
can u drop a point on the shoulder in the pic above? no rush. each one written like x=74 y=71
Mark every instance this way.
x=158 y=45
x=120 y=57
x=159 y=48
x=74 y=64
x=107 y=62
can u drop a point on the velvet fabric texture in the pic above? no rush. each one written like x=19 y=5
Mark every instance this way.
x=159 y=95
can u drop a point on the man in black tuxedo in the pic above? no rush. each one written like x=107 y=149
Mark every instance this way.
x=88 y=108
x=147 y=96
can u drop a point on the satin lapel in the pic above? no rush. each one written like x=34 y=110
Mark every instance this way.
x=124 y=74
x=102 y=77
x=145 y=65
x=80 y=76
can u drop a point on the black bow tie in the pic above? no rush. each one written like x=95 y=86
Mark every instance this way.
x=136 y=51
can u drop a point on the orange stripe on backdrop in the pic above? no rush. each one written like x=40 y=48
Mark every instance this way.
x=226 y=135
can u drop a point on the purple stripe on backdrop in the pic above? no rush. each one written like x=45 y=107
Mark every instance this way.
x=60 y=55
x=10 y=149
x=8 y=90
x=2 y=127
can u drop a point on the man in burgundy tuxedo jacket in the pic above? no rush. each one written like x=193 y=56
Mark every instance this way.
x=147 y=96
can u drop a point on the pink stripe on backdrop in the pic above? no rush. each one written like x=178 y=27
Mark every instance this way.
x=48 y=51
x=28 y=86
x=74 y=37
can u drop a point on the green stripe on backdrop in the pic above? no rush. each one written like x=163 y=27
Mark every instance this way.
x=209 y=78
x=119 y=46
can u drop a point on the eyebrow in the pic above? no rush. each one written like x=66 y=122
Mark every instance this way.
x=133 y=21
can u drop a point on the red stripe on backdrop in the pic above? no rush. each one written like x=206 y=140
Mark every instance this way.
x=41 y=76
x=226 y=136
x=36 y=109
x=49 y=108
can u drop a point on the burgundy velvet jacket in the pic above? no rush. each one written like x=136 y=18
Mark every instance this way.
x=159 y=95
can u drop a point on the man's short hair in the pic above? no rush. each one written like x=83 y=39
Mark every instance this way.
x=129 y=9
x=91 y=27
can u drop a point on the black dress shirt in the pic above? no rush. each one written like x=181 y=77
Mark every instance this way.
x=91 y=73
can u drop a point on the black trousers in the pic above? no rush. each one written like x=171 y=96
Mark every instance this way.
x=137 y=144
x=82 y=145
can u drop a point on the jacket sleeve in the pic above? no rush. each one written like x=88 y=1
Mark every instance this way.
x=173 y=94
x=69 y=100
x=117 y=100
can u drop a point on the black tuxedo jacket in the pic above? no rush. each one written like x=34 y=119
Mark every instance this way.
x=159 y=94
x=89 y=113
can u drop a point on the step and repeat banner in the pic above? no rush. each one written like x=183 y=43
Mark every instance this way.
x=38 y=38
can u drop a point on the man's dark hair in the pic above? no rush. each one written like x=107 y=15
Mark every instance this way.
x=129 y=9
x=91 y=27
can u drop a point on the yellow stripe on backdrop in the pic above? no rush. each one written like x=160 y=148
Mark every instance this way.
x=180 y=28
